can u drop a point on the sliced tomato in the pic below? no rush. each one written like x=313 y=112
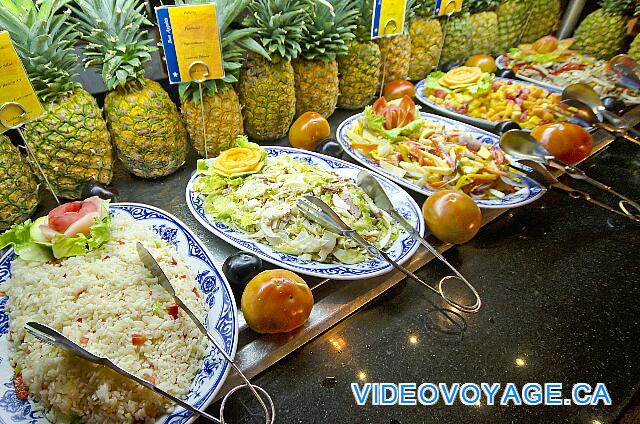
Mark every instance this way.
x=395 y=116
x=65 y=216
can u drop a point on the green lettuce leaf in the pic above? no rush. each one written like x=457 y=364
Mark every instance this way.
x=433 y=81
x=19 y=237
x=100 y=233
x=517 y=54
x=481 y=87
x=64 y=247
x=375 y=124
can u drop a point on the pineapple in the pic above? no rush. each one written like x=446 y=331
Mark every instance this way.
x=18 y=186
x=359 y=69
x=267 y=88
x=426 y=41
x=634 y=49
x=396 y=50
x=484 y=26
x=601 y=34
x=457 y=38
x=223 y=117
x=544 y=16
x=316 y=70
x=512 y=16
x=143 y=121
x=70 y=141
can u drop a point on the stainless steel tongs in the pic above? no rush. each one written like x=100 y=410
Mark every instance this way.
x=318 y=211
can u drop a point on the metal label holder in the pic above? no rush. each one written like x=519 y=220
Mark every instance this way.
x=18 y=127
x=200 y=81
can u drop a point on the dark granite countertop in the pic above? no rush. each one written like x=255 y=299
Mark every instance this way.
x=560 y=283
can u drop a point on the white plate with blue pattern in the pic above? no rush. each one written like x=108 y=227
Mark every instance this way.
x=478 y=122
x=400 y=251
x=531 y=189
x=222 y=321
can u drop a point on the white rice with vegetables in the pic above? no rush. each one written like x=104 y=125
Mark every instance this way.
x=109 y=303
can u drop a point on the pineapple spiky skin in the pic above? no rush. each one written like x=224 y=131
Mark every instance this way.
x=601 y=34
x=544 y=16
x=223 y=122
x=359 y=73
x=316 y=86
x=484 y=32
x=147 y=130
x=512 y=15
x=426 y=44
x=18 y=186
x=71 y=143
x=634 y=49
x=457 y=40
x=268 y=98
x=396 y=57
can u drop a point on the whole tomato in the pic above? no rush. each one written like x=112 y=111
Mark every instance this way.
x=452 y=216
x=397 y=89
x=308 y=130
x=569 y=143
x=276 y=301
x=483 y=61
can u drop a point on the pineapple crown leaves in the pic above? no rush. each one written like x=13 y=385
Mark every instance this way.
x=619 y=7
x=116 y=41
x=425 y=8
x=44 y=41
x=234 y=43
x=475 y=6
x=279 y=25
x=329 y=34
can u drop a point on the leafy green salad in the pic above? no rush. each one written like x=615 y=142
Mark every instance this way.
x=263 y=206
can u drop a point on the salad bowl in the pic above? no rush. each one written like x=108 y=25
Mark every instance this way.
x=400 y=251
x=530 y=191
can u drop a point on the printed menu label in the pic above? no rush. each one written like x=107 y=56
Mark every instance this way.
x=388 y=17
x=191 y=42
x=447 y=7
x=15 y=88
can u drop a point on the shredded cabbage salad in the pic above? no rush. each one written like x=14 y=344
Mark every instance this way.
x=437 y=157
x=263 y=206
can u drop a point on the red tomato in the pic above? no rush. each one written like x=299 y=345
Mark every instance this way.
x=308 y=130
x=64 y=216
x=138 y=339
x=452 y=216
x=173 y=310
x=276 y=301
x=569 y=143
x=397 y=89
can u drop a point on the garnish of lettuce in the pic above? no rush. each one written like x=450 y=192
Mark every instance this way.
x=481 y=87
x=19 y=236
x=375 y=124
x=517 y=54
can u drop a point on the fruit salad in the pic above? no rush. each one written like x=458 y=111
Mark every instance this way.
x=469 y=91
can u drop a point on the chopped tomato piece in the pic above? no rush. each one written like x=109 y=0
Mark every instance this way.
x=173 y=310
x=195 y=291
x=174 y=262
x=22 y=391
x=84 y=340
x=138 y=339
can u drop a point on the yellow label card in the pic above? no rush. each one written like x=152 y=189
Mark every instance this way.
x=388 y=17
x=447 y=7
x=20 y=102
x=191 y=42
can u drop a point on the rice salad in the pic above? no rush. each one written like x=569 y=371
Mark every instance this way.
x=107 y=302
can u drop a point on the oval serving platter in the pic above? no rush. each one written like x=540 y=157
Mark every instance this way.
x=400 y=251
x=502 y=62
x=222 y=321
x=478 y=122
x=527 y=194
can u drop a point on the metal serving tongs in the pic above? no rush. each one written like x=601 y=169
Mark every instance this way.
x=552 y=182
x=153 y=267
x=318 y=211
x=51 y=336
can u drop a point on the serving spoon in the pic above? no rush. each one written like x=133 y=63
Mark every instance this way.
x=582 y=115
x=521 y=145
x=587 y=95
